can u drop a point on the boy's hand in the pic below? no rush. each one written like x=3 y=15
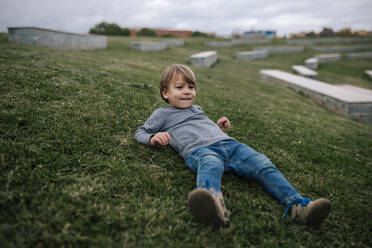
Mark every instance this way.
x=161 y=138
x=223 y=123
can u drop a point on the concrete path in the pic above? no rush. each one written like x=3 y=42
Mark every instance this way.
x=352 y=102
x=333 y=91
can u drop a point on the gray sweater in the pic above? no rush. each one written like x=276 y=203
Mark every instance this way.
x=189 y=128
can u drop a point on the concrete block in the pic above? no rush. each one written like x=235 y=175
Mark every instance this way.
x=301 y=42
x=250 y=41
x=312 y=63
x=328 y=41
x=236 y=42
x=343 y=40
x=343 y=101
x=204 y=59
x=175 y=42
x=149 y=46
x=342 y=48
x=362 y=55
x=218 y=43
x=55 y=39
x=304 y=71
x=250 y=55
x=327 y=57
x=280 y=49
x=369 y=73
x=360 y=90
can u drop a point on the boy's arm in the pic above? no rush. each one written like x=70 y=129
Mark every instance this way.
x=149 y=134
x=161 y=138
x=223 y=123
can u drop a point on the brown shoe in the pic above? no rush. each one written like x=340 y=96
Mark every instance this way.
x=313 y=213
x=208 y=208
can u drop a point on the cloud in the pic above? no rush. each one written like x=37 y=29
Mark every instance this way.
x=221 y=16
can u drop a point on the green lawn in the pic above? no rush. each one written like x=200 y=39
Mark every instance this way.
x=72 y=174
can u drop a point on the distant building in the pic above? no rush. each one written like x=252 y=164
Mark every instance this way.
x=298 y=35
x=260 y=34
x=363 y=33
x=160 y=32
x=133 y=32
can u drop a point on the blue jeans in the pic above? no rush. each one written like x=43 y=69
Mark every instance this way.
x=230 y=156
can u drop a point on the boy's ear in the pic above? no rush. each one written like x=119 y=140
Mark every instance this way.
x=165 y=94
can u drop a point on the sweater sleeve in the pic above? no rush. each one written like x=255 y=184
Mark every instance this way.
x=153 y=125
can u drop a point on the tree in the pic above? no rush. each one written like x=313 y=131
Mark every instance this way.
x=311 y=34
x=146 y=32
x=326 y=32
x=109 y=29
x=345 y=32
x=198 y=34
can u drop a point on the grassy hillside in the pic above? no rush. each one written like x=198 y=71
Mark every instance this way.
x=72 y=174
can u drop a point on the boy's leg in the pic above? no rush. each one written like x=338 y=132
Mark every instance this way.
x=206 y=201
x=209 y=168
x=247 y=162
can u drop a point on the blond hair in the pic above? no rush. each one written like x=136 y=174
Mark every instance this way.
x=171 y=72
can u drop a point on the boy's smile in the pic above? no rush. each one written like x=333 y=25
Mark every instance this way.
x=179 y=93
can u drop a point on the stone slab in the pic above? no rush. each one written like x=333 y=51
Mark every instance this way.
x=218 y=43
x=204 y=59
x=304 y=71
x=301 y=42
x=250 y=55
x=174 y=43
x=250 y=41
x=328 y=40
x=362 y=55
x=280 y=49
x=231 y=43
x=360 y=90
x=312 y=63
x=343 y=101
x=342 y=48
x=55 y=39
x=369 y=73
x=327 y=57
x=149 y=46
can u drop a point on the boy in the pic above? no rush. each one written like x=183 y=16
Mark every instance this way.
x=209 y=152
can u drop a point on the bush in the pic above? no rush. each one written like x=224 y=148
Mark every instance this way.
x=327 y=32
x=109 y=29
x=198 y=34
x=146 y=32
x=311 y=34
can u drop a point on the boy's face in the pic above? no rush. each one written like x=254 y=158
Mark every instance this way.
x=180 y=94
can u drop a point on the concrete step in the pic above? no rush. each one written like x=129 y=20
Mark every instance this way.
x=348 y=102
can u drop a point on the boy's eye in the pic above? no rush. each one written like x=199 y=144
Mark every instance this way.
x=191 y=86
x=179 y=87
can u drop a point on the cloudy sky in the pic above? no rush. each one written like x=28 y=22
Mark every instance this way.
x=220 y=16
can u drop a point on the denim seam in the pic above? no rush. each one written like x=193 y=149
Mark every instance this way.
x=264 y=181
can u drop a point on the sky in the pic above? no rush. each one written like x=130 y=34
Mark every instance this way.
x=220 y=16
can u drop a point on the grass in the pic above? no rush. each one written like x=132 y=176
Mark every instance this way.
x=72 y=174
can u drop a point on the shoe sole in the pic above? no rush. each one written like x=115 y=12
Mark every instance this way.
x=203 y=207
x=318 y=213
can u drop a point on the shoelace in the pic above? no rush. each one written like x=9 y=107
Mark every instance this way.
x=205 y=185
x=303 y=202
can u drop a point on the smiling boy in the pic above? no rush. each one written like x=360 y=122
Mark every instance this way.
x=209 y=152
